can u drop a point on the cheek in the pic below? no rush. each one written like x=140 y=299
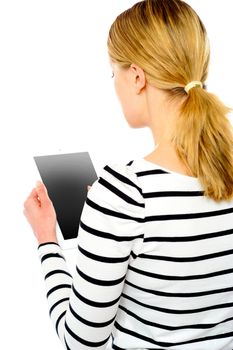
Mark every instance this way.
x=123 y=95
x=118 y=89
x=130 y=105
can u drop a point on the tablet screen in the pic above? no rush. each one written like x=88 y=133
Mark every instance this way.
x=66 y=177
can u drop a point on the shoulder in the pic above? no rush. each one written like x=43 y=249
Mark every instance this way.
x=122 y=175
x=117 y=186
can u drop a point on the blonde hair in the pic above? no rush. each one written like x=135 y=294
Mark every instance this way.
x=167 y=39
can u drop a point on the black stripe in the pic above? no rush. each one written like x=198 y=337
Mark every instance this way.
x=51 y=255
x=130 y=163
x=95 y=303
x=103 y=259
x=189 y=238
x=100 y=282
x=122 y=178
x=180 y=278
x=151 y=172
x=111 y=212
x=187 y=259
x=134 y=256
x=47 y=243
x=67 y=346
x=119 y=193
x=188 y=215
x=56 y=304
x=181 y=295
x=107 y=235
x=140 y=336
x=51 y=273
x=60 y=286
x=89 y=323
x=173 y=194
x=83 y=341
x=172 y=328
x=58 y=321
x=116 y=347
x=154 y=349
x=178 y=312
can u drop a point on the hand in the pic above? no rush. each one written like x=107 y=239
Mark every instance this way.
x=41 y=215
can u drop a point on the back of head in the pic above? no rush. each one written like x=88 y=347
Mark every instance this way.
x=168 y=40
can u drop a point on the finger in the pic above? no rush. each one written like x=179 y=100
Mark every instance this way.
x=33 y=193
x=32 y=196
x=88 y=187
x=42 y=193
x=40 y=183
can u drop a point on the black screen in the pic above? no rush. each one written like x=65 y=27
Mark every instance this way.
x=66 y=177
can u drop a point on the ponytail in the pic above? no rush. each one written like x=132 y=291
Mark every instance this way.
x=204 y=142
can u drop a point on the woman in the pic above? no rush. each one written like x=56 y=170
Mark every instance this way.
x=155 y=244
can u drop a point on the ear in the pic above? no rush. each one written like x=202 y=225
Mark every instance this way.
x=139 y=78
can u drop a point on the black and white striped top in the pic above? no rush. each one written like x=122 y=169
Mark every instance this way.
x=154 y=266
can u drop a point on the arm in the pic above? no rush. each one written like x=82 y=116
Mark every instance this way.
x=83 y=310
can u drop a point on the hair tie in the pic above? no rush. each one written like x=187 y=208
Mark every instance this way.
x=192 y=84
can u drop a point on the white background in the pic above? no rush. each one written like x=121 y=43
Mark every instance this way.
x=57 y=96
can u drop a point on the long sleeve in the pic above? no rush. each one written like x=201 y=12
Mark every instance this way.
x=83 y=308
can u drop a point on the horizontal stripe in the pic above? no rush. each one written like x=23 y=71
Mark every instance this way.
x=104 y=259
x=147 y=339
x=98 y=282
x=89 y=323
x=47 y=243
x=58 y=321
x=112 y=213
x=54 y=272
x=188 y=215
x=181 y=295
x=176 y=311
x=107 y=235
x=187 y=259
x=56 y=304
x=180 y=278
x=173 y=194
x=119 y=193
x=116 y=347
x=122 y=178
x=189 y=238
x=140 y=336
x=151 y=172
x=83 y=341
x=51 y=255
x=172 y=328
x=95 y=303
x=60 y=286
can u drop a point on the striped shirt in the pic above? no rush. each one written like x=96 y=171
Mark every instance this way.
x=154 y=266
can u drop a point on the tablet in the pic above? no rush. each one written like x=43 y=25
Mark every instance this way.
x=66 y=177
